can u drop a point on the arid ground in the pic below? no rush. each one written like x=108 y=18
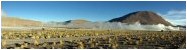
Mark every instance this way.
x=92 y=39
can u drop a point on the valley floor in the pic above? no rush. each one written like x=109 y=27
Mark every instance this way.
x=92 y=39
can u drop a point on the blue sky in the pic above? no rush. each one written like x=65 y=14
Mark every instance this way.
x=92 y=11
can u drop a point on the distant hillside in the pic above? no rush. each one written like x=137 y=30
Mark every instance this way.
x=17 y=22
x=143 y=17
x=180 y=26
x=78 y=21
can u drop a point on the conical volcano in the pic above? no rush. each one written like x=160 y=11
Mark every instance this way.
x=143 y=17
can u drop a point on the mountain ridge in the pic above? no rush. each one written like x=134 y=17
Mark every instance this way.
x=144 y=17
x=16 y=22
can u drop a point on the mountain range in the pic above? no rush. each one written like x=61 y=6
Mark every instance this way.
x=143 y=17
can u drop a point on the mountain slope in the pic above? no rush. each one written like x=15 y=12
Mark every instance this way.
x=143 y=17
x=17 y=22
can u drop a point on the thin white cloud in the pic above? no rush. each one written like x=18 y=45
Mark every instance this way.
x=3 y=13
x=176 y=17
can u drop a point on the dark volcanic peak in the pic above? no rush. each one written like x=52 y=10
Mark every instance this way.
x=143 y=17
